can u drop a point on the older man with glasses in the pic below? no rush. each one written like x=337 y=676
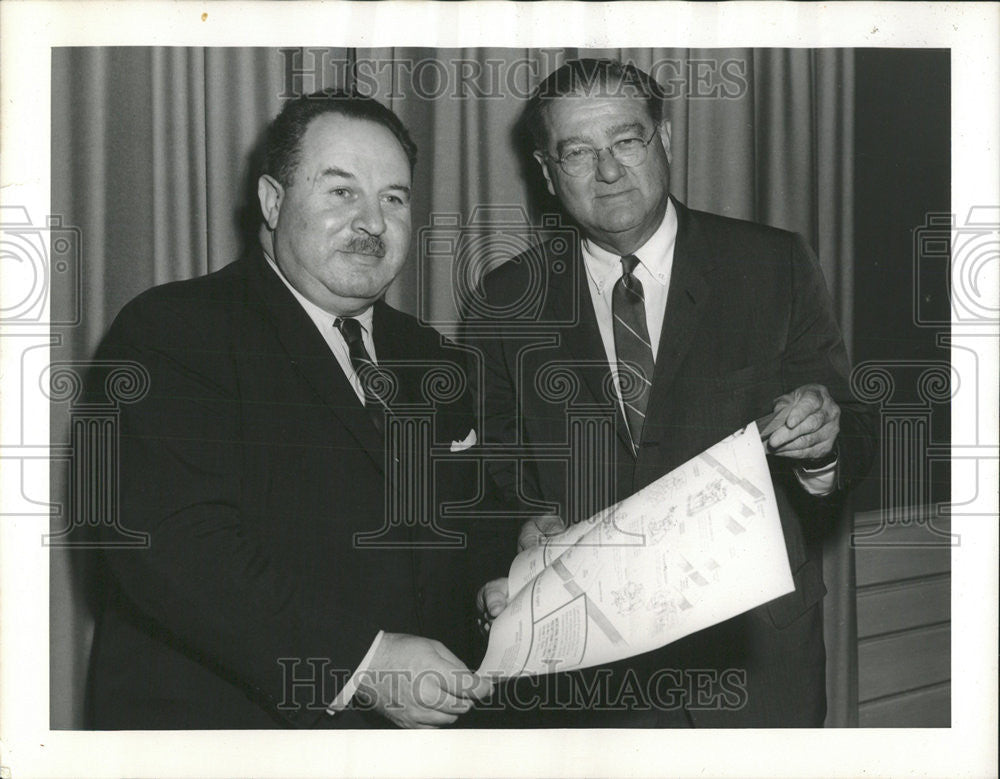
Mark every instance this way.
x=699 y=324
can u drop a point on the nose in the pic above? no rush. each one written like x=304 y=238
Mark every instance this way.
x=609 y=170
x=369 y=217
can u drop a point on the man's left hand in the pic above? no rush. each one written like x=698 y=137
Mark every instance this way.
x=806 y=424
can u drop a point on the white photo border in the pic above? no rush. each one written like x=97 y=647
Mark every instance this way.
x=30 y=29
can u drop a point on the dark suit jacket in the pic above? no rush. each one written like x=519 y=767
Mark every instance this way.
x=252 y=464
x=748 y=318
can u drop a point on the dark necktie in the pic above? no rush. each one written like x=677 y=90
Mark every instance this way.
x=365 y=368
x=632 y=347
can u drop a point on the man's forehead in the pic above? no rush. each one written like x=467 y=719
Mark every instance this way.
x=573 y=113
x=610 y=87
x=332 y=136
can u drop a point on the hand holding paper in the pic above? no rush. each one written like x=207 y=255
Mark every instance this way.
x=804 y=425
x=698 y=546
x=536 y=530
x=491 y=601
x=417 y=682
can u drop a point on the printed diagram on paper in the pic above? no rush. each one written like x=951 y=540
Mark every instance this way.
x=696 y=547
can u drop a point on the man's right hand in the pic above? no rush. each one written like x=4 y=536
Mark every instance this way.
x=417 y=682
x=536 y=529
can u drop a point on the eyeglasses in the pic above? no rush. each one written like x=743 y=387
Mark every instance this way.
x=582 y=160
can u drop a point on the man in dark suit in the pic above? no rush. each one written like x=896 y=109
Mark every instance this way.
x=287 y=580
x=684 y=327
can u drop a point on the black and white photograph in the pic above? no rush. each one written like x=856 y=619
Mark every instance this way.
x=562 y=400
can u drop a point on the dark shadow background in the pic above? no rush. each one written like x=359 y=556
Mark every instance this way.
x=902 y=173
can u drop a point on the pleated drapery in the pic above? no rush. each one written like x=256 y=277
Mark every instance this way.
x=155 y=150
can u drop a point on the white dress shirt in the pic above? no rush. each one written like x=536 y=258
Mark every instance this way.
x=324 y=322
x=656 y=261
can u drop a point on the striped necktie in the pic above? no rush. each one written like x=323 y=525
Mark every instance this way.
x=632 y=348
x=365 y=369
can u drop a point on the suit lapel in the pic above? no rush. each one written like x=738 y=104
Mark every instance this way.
x=569 y=300
x=686 y=303
x=395 y=344
x=310 y=355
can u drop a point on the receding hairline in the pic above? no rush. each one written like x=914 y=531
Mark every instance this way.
x=333 y=170
x=544 y=106
x=283 y=142
x=588 y=79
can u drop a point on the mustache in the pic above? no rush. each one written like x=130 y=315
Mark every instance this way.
x=371 y=245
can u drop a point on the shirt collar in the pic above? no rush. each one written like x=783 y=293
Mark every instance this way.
x=655 y=255
x=323 y=318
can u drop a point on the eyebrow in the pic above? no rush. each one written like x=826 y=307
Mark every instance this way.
x=614 y=130
x=633 y=126
x=570 y=141
x=335 y=172
x=400 y=188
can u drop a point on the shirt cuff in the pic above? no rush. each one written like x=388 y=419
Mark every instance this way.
x=343 y=699
x=819 y=482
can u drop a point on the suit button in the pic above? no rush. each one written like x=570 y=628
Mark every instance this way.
x=420 y=595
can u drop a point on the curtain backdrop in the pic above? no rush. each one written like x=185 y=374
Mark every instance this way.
x=154 y=152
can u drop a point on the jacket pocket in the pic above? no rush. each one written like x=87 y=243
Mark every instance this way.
x=809 y=590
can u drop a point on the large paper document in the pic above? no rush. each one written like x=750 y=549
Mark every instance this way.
x=694 y=548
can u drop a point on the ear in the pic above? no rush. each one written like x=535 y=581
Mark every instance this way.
x=665 y=139
x=270 y=193
x=543 y=161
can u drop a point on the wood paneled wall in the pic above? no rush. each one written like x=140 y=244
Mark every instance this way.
x=904 y=621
